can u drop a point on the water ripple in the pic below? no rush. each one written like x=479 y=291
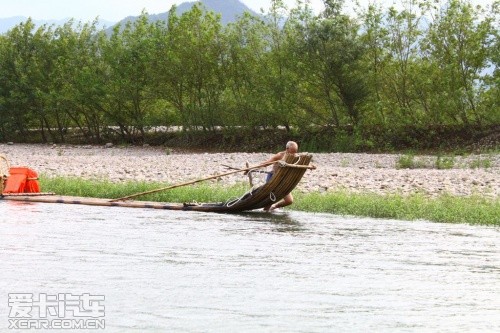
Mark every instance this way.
x=283 y=272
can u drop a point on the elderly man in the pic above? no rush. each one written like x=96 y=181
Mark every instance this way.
x=290 y=148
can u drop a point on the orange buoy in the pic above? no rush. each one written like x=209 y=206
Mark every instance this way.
x=22 y=180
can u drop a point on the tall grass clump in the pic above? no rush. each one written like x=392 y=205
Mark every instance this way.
x=445 y=162
x=408 y=161
x=480 y=162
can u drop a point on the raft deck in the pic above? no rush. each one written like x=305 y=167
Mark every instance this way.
x=107 y=203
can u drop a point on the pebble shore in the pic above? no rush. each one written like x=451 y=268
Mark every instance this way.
x=360 y=173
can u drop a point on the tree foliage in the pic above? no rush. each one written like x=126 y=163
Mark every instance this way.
x=419 y=64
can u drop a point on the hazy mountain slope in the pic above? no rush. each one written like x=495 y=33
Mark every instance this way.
x=230 y=10
x=8 y=23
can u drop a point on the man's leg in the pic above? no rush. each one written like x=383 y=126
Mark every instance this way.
x=287 y=201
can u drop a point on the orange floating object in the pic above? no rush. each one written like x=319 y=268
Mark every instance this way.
x=22 y=180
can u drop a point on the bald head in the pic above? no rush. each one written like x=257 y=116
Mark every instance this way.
x=292 y=147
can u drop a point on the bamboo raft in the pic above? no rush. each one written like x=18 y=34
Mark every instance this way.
x=285 y=179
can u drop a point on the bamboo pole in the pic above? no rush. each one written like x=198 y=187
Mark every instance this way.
x=288 y=165
x=4 y=172
x=251 y=171
x=250 y=177
x=4 y=166
x=192 y=182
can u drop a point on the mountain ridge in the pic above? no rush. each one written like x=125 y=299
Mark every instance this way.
x=229 y=10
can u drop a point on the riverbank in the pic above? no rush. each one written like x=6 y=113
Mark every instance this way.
x=443 y=208
x=351 y=175
x=358 y=173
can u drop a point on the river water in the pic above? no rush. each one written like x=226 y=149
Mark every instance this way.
x=164 y=271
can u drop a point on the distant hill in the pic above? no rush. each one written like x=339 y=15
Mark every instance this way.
x=229 y=10
x=10 y=22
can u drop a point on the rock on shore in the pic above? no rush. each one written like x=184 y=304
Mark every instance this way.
x=361 y=173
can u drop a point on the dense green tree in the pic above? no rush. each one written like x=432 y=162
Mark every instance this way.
x=88 y=83
x=404 y=31
x=332 y=54
x=23 y=79
x=374 y=35
x=427 y=64
x=279 y=79
x=190 y=56
x=490 y=98
x=75 y=86
x=457 y=53
x=245 y=68
x=128 y=55
x=169 y=81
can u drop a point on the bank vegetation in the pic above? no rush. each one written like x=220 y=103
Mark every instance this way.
x=444 y=208
x=424 y=74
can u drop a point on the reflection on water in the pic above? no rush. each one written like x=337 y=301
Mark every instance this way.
x=281 y=272
x=284 y=222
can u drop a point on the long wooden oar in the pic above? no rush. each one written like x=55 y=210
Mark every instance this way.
x=193 y=182
x=251 y=171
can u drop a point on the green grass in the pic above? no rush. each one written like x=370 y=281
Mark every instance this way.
x=445 y=162
x=479 y=162
x=409 y=161
x=445 y=208
x=203 y=192
x=442 y=162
